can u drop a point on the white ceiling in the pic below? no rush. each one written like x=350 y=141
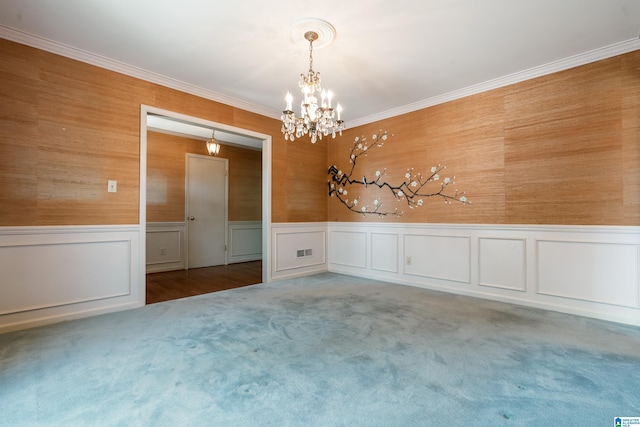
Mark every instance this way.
x=388 y=57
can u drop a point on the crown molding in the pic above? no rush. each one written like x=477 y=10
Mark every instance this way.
x=129 y=70
x=552 y=67
x=142 y=74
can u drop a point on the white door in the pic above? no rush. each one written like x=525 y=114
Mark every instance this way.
x=206 y=210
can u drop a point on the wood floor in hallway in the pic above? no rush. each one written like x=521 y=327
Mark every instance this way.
x=185 y=283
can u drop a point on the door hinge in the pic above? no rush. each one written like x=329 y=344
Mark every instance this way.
x=225 y=248
x=226 y=173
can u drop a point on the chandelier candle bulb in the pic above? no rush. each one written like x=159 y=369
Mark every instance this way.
x=289 y=99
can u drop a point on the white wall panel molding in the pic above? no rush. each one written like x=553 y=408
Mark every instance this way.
x=590 y=271
x=299 y=249
x=245 y=241
x=438 y=257
x=385 y=253
x=349 y=248
x=59 y=273
x=502 y=263
x=165 y=243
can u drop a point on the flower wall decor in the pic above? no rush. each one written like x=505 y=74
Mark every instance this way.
x=411 y=190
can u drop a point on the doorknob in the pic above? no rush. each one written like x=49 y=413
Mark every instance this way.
x=191 y=218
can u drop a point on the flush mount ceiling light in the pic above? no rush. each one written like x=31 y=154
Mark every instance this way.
x=316 y=119
x=213 y=147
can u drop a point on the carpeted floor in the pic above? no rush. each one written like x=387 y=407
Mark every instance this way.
x=326 y=350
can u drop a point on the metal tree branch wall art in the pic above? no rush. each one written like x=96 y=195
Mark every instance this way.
x=412 y=190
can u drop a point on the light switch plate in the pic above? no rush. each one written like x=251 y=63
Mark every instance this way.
x=112 y=186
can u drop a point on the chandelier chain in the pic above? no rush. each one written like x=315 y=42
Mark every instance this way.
x=310 y=56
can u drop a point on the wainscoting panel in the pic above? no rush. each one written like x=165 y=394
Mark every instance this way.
x=58 y=273
x=166 y=242
x=299 y=249
x=245 y=241
x=53 y=274
x=599 y=272
x=165 y=246
x=384 y=252
x=349 y=249
x=585 y=270
x=502 y=263
x=438 y=257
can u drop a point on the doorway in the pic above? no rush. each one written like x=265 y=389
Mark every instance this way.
x=264 y=142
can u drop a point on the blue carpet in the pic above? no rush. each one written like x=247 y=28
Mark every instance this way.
x=326 y=350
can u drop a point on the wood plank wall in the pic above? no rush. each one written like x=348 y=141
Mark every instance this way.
x=166 y=178
x=67 y=127
x=560 y=149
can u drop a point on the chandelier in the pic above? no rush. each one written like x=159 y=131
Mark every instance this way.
x=213 y=147
x=316 y=120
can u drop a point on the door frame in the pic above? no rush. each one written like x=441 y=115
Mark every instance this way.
x=142 y=208
x=186 y=204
